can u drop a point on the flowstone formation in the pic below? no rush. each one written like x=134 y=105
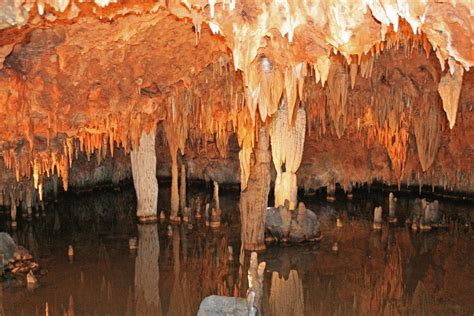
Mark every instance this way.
x=347 y=92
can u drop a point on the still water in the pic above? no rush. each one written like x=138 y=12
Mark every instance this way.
x=395 y=271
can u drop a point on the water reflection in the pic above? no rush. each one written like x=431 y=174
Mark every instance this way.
x=286 y=295
x=147 y=272
x=394 y=271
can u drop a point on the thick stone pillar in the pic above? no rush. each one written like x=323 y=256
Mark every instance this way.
x=147 y=272
x=144 y=178
x=254 y=199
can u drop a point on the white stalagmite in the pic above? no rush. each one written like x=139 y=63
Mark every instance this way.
x=143 y=160
x=449 y=89
x=287 y=150
x=216 y=196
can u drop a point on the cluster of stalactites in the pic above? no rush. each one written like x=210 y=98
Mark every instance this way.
x=392 y=113
x=98 y=141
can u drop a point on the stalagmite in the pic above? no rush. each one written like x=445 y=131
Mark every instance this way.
x=13 y=208
x=182 y=188
x=392 y=207
x=331 y=192
x=143 y=159
x=287 y=152
x=377 y=225
x=449 y=89
x=349 y=191
x=70 y=253
x=254 y=199
x=216 y=196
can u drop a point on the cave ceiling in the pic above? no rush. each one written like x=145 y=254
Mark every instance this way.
x=91 y=75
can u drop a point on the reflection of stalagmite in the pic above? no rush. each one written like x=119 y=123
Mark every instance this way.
x=147 y=271
x=287 y=151
x=286 y=296
x=178 y=300
x=144 y=177
x=377 y=218
x=254 y=199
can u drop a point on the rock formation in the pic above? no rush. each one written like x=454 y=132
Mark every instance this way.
x=349 y=92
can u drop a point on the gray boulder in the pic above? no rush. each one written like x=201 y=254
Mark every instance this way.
x=7 y=247
x=215 y=305
x=297 y=226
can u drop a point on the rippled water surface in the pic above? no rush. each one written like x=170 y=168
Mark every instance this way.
x=395 y=271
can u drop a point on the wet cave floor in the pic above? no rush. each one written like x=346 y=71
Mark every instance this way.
x=394 y=271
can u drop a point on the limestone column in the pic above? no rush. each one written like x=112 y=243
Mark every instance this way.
x=144 y=178
x=182 y=188
x=287 y=152
x=174 y=186
x=254 y=198
x=147 y=280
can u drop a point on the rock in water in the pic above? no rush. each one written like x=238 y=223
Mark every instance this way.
x=7 y=246
x=21 y=253
x=223 y=306
x=304 y=226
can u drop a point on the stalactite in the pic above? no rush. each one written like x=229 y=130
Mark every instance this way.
x=449 y=89
x=287 y=151
x=246 y=140
x=337 y=88
x=427 y=128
